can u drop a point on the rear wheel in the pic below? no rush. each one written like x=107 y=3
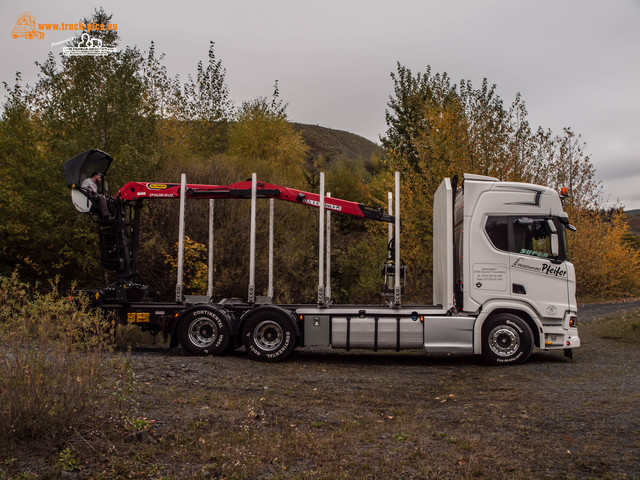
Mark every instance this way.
x=204 y=331
x=268 y=336
x=506 y=339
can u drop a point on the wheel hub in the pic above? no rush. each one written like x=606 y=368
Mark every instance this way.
x=203 y=332
x=206 y=331
x=504 y=341
x=268 y=335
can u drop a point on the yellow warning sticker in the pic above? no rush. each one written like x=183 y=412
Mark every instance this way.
x=138 y=317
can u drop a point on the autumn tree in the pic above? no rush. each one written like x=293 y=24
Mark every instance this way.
x=206 y=107
x=406 y=121
x=28 y=228
x=438 y=129
x=261 y=131
x=607 y=265
x=427 y=138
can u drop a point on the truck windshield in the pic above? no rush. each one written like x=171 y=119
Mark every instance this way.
x=533 y=237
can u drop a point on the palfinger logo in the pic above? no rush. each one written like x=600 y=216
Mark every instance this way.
x=26 y=27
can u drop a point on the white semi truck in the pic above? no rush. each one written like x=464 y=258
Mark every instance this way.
x=502 y=281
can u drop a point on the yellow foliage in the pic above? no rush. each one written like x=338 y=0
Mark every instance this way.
x=606 y=266
x=195 y=265
x=262 y=133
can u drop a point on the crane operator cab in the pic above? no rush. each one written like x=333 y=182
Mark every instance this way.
x=117 y=242
x=78 y=169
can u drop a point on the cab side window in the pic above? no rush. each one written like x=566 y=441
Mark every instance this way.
x=497 y=229
x=523 y=235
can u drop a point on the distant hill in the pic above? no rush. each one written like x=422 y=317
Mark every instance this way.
x=634 y=220
x=333 y=144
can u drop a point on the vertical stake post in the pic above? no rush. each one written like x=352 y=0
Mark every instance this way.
x=183 y=196
x=398 y=264
x=327 y=292
x=271 y=214
x=252 y=242
x=210 y=259
x=390 y=226
x=321 y=298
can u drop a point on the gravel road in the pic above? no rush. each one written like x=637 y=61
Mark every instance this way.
x=589 y=312
x=326 y=413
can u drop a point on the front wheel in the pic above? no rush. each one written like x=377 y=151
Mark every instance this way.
x=506 y=339
x=268 y=336
x=204 y=331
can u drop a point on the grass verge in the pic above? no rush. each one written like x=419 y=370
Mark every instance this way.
x=625 y=327
x=62 y=389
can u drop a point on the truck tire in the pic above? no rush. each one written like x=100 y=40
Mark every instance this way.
x=204 y=331
x=268 y=336
x=506 y=340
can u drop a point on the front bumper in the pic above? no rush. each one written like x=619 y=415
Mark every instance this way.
x=562 y=336
x=561 y=339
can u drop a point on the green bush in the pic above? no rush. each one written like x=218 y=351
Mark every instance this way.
x=61 y=384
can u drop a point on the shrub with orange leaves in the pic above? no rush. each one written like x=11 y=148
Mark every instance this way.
x=607 y=266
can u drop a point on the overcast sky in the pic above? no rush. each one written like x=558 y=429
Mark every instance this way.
x=576 y=63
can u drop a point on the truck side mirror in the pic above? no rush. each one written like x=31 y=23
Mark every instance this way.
x=564 y=218
x=553 y=233
x=555 y=248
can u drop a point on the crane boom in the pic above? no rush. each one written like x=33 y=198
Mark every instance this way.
x=134 y=191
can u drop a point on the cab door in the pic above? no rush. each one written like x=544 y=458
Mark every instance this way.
x=539 y=270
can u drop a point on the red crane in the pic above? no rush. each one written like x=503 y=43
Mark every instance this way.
x=134 y=191
x=120 y=236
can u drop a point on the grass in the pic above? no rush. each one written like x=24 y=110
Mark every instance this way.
x=594 y=298
x=340 y=415
x=623 y=328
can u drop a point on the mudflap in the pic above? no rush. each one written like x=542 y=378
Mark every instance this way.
x=568 y=352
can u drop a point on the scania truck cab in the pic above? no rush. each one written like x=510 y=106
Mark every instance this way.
x=512 y=258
